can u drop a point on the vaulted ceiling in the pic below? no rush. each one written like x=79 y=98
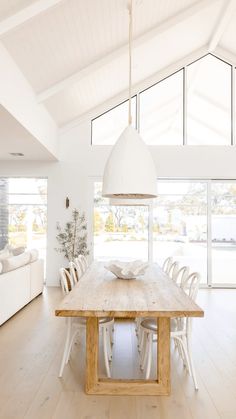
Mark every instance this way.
x=73 y=53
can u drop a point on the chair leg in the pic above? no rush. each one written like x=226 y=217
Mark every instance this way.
x=72 y=341
x=137 y=326
x=180 y=350
x=149 y=355
x=184 y=350
x=105 y=351
x=192 y=369
x=110 y=331
x=143 y=350
x=140 y=339
x=109 y=344
x=66 y=347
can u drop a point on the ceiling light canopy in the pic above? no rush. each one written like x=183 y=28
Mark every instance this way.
x=130 y=171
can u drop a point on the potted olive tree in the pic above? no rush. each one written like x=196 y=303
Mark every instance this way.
x=72 y=238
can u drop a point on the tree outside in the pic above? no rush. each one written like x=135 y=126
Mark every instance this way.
x=109 y=224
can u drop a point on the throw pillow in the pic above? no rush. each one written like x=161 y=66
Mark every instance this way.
x=18 y=250
x=34 y=254
x=6 y=248
x=15 y=262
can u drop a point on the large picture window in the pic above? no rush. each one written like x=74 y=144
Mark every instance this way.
x=23 y=213
x=193 y=106
x=180 y=224
x=191 y=220
x=209 y=102
x=119 y=231
x=107 y=128
x=161 y=112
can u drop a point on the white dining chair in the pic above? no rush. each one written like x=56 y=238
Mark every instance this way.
x=180 y=332
x=167 y=264
x=75 y=271
x=182 y=275
x=75 y=324
x=78 y=263
x=82 y=262
x=175 y=273
x=173 y=270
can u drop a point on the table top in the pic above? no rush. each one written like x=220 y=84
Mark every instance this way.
x=99 y=293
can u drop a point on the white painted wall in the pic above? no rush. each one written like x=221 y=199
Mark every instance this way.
x=18 y=97
x=79 y=162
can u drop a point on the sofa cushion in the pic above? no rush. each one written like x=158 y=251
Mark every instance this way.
x=34 y=254
x=17 y=250
x=15 y=262
x=6 y=247
x=5 y=254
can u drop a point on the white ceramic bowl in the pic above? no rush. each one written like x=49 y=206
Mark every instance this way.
x=126 y=270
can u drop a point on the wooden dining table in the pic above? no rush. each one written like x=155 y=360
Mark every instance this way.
x=100 y=294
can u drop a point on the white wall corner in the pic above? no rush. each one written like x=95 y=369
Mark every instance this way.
x=18 y=97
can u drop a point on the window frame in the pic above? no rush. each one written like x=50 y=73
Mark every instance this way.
x=109 y=110
x=185 y=138
x=232 y=102
x=183 y=104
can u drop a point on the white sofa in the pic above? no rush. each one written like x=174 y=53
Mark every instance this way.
x=20 y=284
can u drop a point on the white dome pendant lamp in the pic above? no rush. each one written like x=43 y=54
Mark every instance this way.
x=130 y=171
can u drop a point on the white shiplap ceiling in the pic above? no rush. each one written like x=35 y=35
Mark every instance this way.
x=69 y=37
x=11 y=7
x=74 y=52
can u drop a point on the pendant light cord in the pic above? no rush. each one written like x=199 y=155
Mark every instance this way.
x=130 y=57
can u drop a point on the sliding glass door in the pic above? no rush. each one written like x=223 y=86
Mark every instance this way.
x=223 y=233
x=180 y=224
x=194 y=221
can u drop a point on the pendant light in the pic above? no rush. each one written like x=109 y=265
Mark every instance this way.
x=130 y=171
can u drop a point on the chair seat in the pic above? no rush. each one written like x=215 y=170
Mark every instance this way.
x=151 y=324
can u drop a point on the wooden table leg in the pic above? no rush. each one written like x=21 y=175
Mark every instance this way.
x=92 y=345
x=163 y=353
x=161 y=386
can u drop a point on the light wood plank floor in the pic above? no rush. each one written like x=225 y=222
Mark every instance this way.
x=30 y=354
